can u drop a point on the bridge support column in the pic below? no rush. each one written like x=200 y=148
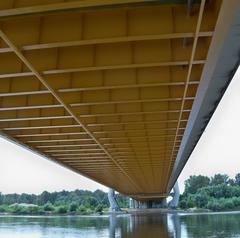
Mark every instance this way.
x=142 y=205
x=112 y=201
x=176 y=194
x=136 y=204
x=163 y=203
x=130 y=203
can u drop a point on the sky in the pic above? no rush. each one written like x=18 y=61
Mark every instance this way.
x=22 y=171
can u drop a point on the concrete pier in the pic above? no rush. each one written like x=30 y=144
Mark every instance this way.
x=114 y=207
x=175 y=197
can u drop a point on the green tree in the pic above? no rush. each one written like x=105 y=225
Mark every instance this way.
x=237 y=179
x=61 y=210
x=1 y=198
x=33 y=210
x=219 y=179
x=4 y=208
x=18 y=209
x=48 y=207
x=99 y=208
x=231 y=182
x=50 y=202
x=44 y=198
x=10 y=198
x=201 y=199
x=236 y=201
x=195 y=182
x=26 y=198
x=73 y=207
x=82 y=208
x=190 y=201
x=221 y=193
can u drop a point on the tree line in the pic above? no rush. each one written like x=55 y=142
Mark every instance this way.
x=216 y=193
x=74 y=202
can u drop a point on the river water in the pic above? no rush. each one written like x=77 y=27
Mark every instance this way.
x=219 y=225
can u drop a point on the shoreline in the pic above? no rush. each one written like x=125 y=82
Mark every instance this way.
x=126 y=212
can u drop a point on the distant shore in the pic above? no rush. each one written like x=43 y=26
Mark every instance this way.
x=125 y=211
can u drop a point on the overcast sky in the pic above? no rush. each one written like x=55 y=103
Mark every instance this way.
x=217 y=152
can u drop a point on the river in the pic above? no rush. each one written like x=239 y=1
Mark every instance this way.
x=219 y=225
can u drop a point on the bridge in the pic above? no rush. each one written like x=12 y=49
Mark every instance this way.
x=119 y=91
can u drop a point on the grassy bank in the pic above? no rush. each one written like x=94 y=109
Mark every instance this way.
x=49 y=209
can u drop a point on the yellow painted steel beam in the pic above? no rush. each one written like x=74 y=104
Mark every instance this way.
x=196 y=36
x=96 y=132
x=100 y=68
x=68 y=6
x=105 y=87
x=106 y=40
x=40 y=127
x=106 y=138
x=105 y=91
x=78 y=104
x=132 y=113
x=78 y=150
x=33 y=118
x=59 y=99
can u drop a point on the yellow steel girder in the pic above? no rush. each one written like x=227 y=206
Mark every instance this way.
x=106 y=92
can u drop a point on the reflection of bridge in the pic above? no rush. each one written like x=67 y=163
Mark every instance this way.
x=119 y=91
x=164 y=225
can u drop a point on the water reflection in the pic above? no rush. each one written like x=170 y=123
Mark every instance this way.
x=129 y=226
x=142 y=226
x=176 y=226
x=219 y=225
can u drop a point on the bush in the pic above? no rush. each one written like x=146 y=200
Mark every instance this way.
x=4 y=208
x=61 y=210
x=236 y=201
x=214 y=205
x=99 y=208
x=48 y=207
x=183 y=203
x=16 y=209
x=201 y=200
x=228 y=204
x=73 y=207
x=82 y=209
x=33 y=210
x=191 y=201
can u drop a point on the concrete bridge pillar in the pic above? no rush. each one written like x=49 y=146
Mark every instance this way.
x=114 y=207
x=163 y=203
x=136 y=204
x=147 y=204
x=143 y=205
x=130 y=203
x=175 y=197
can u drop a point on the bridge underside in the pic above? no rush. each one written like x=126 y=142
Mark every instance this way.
x=114 y=90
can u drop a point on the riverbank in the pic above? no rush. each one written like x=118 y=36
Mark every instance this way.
x=177 y=211
x=148 y=211
x=32 y=209
x=50 y=210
